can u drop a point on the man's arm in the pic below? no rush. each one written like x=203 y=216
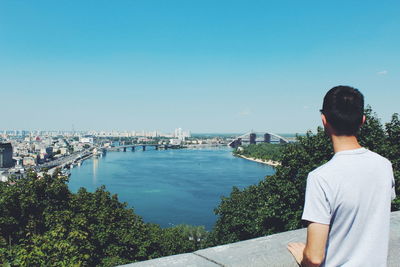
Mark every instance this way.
x=313 y=252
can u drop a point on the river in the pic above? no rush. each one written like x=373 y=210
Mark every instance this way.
x=170 y=187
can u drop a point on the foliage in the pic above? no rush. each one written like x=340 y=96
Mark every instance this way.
x=393 y=154
x=179 y=239
x=263 y=151
x=276 y=203
x=43 y=224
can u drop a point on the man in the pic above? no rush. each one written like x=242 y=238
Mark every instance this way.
x=347 y=201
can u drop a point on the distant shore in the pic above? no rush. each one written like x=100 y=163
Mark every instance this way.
x=268 y=162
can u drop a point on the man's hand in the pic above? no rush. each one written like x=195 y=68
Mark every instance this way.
x=297 y=250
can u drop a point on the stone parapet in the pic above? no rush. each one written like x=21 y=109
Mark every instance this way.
x=263 y=251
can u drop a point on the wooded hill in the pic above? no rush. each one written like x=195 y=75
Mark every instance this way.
x=42 y=223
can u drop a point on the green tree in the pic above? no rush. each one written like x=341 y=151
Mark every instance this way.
x=43 y=224
x=393 y=153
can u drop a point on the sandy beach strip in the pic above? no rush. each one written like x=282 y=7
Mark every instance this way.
x=268 y=162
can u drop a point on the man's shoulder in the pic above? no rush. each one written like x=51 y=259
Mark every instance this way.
x=323 y=169
x=336 y=163
x=378 y=157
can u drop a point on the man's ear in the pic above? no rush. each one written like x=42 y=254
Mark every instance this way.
x=363 y=120
x=323 y=118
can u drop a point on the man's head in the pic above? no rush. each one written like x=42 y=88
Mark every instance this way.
x=343 y=110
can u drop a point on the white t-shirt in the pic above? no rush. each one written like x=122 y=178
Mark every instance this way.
x=352 y=193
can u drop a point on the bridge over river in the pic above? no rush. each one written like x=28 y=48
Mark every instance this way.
x=143 y=146
x=258 y=137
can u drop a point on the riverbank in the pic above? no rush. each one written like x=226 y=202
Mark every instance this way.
x=68 y=162
x=268 y=162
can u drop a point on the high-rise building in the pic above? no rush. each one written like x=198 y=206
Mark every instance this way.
x=180 y=134
x=6 y=153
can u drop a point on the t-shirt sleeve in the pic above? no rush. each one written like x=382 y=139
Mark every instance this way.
x=316 y=206
x=393 y=191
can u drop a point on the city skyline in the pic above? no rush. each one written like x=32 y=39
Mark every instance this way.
x=211 y=67
x=177 y=132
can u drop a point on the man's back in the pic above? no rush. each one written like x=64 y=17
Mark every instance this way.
x=352 y=193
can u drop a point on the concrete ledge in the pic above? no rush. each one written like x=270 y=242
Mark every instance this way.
x=256 y=252
x=188 y=259
x=394 y=243
x=263 y=251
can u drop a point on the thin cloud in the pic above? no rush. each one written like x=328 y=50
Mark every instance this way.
x=245 y=113
x=382 y=72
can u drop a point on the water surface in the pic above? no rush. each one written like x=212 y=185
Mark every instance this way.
x=170 y=187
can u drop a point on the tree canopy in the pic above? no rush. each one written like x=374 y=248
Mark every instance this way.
x=43 y=224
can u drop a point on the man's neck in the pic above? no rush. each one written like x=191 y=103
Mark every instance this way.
x=341 y=143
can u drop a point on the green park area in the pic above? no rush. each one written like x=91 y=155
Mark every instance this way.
x=262 y=151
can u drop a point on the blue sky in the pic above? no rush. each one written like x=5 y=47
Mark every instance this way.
x=206 y=66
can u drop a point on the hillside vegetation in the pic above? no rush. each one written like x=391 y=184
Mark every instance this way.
x=42 y=223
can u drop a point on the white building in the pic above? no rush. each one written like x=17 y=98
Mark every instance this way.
x=3 y=177
x=175 y=141
x=180 y=134
x=63 y=150
x=86 y=140
x=29 y=161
